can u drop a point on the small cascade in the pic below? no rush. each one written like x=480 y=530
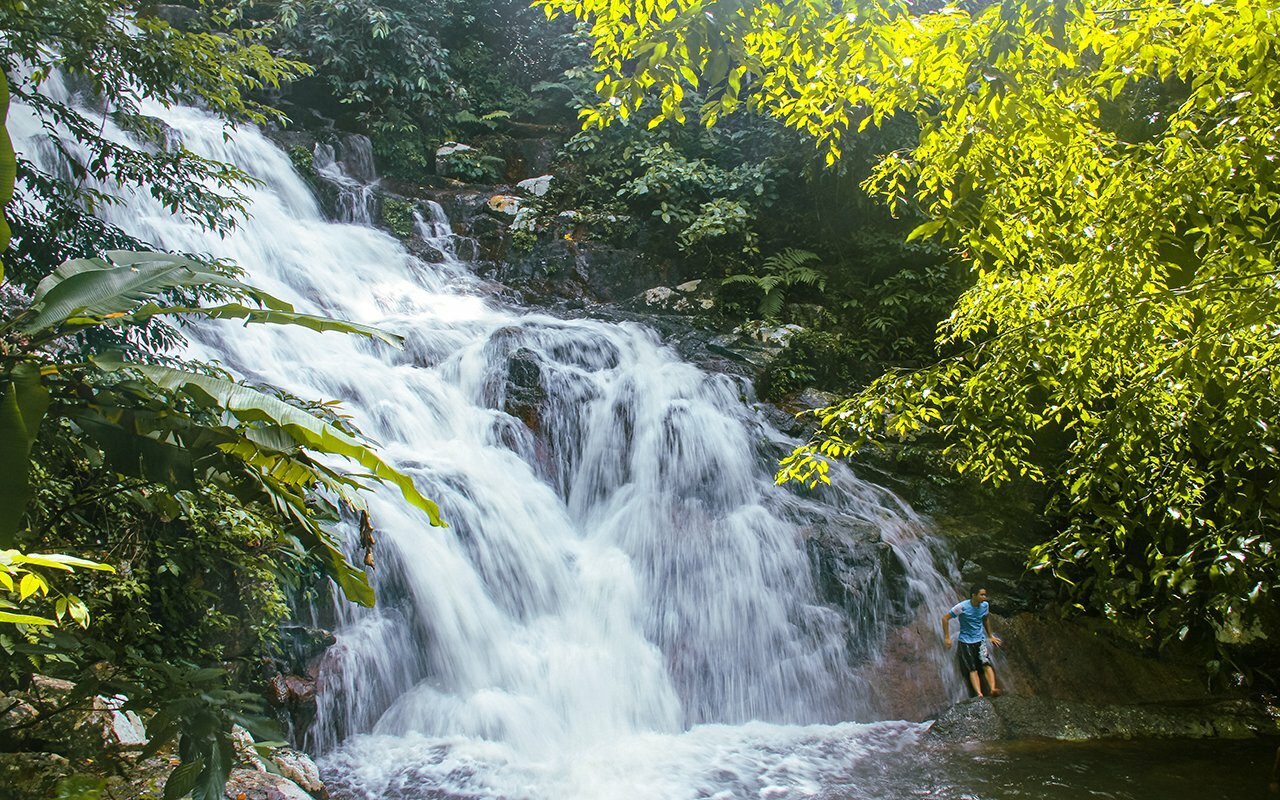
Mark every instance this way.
x=352 y=173
x=436 y=231
x=624 y=603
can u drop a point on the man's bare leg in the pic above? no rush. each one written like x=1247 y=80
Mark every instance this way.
x=991 y=679
x=976 y=683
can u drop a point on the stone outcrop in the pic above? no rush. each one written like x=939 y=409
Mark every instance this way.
x=248 y=784
x=1018 y=717
x=856 y=571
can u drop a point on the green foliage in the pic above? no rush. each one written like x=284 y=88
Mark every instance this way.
x=825 y=359
x=81 y=787
x=523 y=241
x=397 y=215
x=1116 y=344
x=118 y=51
x=8 y=168
x=21 y=575
x=376 y=57
x=469 y=164
x=700 y=199
x=303 y=159
x=413 y=74
x=172 y=427
x=782 y=271
x=198 y=487
x=196 y=708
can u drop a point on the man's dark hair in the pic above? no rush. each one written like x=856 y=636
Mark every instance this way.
x=977 y=587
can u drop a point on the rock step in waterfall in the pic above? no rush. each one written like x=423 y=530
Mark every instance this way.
x=624 y=599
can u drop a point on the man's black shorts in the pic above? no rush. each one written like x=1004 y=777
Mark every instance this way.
x=973 y=655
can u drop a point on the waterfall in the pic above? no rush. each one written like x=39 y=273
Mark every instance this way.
x=350 y=171
x=623 y=604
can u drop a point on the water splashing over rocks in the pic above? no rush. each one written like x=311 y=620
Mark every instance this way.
x=624 y=599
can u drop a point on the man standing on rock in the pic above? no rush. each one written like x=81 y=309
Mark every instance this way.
x=975 y=630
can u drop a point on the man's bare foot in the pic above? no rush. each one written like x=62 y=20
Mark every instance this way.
x=995 y=693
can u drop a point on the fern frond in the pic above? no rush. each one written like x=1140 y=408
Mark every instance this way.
x=789 y=259
x=771 y=303
x=805 y=275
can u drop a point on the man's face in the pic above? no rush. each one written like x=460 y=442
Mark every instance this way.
x=980 y=596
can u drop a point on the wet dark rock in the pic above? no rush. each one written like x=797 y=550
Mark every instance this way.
x=293 y=690
x=301 y=645
x=295 y=698
x=183 y=18
x=856 y=571
x=792 y=416
x=525 y=396
x=1084 y=661
x=1017 y=717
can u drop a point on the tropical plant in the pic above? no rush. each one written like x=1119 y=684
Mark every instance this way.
x=22 y=574
x=110 y=447
x=174 y=439
x=782 y=271
x=171 y=424
x=1106 y=172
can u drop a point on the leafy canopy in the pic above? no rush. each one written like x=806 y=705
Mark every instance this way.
x=1108 y=172
x=119 y=53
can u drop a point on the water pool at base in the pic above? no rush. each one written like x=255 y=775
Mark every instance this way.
x=877 y=761
x=1049 y=770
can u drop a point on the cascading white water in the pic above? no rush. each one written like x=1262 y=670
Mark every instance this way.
x=623 y=605
x=352 y=174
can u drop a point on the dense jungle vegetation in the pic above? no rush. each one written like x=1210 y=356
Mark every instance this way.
x=1032 y=242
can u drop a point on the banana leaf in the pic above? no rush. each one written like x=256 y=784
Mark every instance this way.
x=250 y=405
x=22 y=407
x=85 y=291
x=269 y=316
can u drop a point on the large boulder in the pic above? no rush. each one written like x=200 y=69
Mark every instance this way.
x=249 y=784
x=857 y=571
x=1084 y=662
x=1020 y=717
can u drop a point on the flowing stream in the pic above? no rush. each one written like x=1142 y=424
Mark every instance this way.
x=623 y=605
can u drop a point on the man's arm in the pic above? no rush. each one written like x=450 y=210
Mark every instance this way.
x=986 y=623
x=946 y=629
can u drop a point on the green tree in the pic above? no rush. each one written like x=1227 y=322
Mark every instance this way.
x=1108 y=173
x=112 y=448
x=117 y=53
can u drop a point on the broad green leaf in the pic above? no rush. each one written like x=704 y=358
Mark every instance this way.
x=212 y=780
x=30 y=584
x=925 y=230
x=8 y=169
x=137 y=454
x=64 y=562
x=93 y=289
x=251 y=405
x=269 y=316
x=24 y=619
x=22 y=407
x=183 y=779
